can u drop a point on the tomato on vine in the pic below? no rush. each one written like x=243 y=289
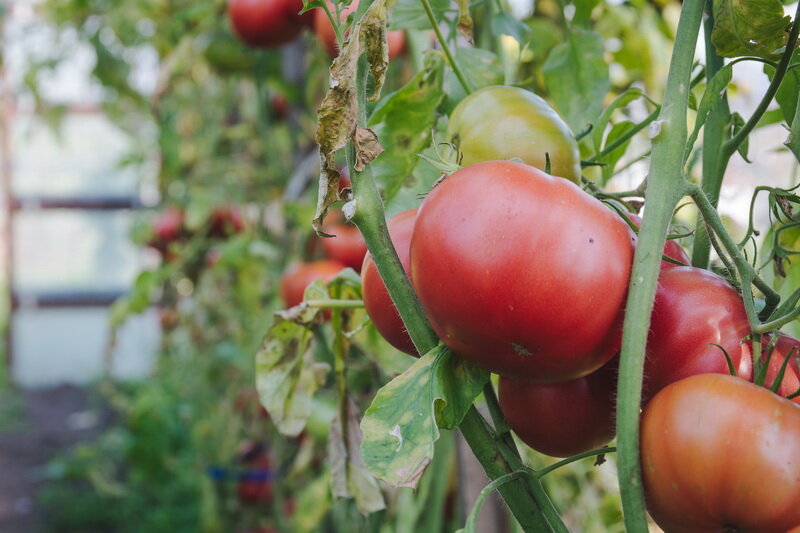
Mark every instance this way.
x=267 y=23
x=296 y=278
x=395 y=39
x=508 y=122
x=522 y=273
x=347 y=246
x=721 y=454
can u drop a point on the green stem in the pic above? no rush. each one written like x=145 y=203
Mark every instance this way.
x=369 y=217
x=625 y=137
x=714 y=135
x=339 y=349
x=772 y=325
x=472 y=519
x=732 y=145
x=446 y=49
x=600 y=451
x=335 y=23
x=335 y=304
x=665 y=186
x=499 y=421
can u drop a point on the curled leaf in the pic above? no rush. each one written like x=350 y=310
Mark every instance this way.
x=367 y=147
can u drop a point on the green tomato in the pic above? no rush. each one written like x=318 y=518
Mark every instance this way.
x=508 y=122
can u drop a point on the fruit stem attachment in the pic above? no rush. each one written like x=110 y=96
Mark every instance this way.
x=666 y=186
x=426 y=5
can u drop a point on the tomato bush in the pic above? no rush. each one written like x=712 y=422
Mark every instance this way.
x=377 y=301
x=509 y=122
x=562 y=419
x=522 y=273
x=721 y=454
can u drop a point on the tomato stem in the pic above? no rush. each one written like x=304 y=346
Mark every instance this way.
x=426 y=5
x=591 y=453
x=335 y=304
x=666 y=186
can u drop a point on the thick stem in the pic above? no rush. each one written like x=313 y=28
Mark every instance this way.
x=369 y=216
x=665 y=187
x=714 y=135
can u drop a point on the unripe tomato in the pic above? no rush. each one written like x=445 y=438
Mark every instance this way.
x=522 y=273
x=395 y=39
x=378 y=303
x=295 y=280
x=693 y=309
x=508 y=122
x=672 y=249
x=347 y=246
x=562 y=419
x=721 y=454
x=266 y=23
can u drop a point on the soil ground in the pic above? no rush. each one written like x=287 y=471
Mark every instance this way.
x=36 y=426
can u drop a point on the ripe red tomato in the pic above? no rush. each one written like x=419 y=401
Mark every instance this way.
x=168 y=226
x=395 y=40
x=296 y=278
x=693 y=309
x=562 y=419
x=721 y=454
x=787 y=346
x=267 y=23
x=347 y=246
x=672 y=249
x=522 y=273
x=507 y=122
x=379 y=305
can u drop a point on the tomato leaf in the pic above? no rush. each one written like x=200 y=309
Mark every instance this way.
x=480 y=67
x=749 y=27
x=504 y=23
x=403 y=121
x=619 y=102
x=787 y=94
x=577 y=77
x=287 y=376
x=349 y=476
x=712 y=97
x=402 y=424
x=338 y=112
x=611 y=159
x=313 y=504
x=793 y=141
x=410 y=15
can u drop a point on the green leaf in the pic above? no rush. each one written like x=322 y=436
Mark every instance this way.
x=793 y=141
x=410 y=15
x=402 y=424
x=480 y=67
x=504 y=23
x=313 y=503
x=787 y=94
x=403 y=121
x=736 y=123
x=619 y=102
x=287 y=376
x=349 y=476
x=583 y=11
x=749 y=27
x=611 y=159
x=577 y=78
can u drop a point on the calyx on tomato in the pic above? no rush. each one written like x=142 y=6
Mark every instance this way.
x=721 y=454
x=522 y=273
x=508 y=122
x=378 y=303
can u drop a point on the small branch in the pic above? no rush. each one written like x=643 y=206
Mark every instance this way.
x=335 y=304
x=446 y=49
x=625 y=137
x=600 y=451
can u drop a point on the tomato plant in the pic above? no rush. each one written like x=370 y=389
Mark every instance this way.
x=495 y=245
x=299 y=276
x=721 y=454
x=327 y=37
x=347 y=246
x=696 y=316
x=267 y=23
x=377 y=301
x=562 y=419
x=509 y=122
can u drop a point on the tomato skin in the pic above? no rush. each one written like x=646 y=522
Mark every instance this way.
x=395 y=39
x=672 y=249
x=347 y=246
x=299 y=276
x=522 y=273
x=266 y=23
x=378 y=303
x=506 y=122
x=720 y=453
x=562 y=419
x=694 y=308
x=785 y=346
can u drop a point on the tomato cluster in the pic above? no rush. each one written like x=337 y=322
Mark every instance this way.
x=169 y=228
